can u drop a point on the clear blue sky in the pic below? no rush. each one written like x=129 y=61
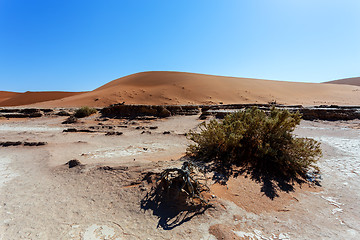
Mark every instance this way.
x=72 y=45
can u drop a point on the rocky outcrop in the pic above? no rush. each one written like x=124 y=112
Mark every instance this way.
x=78 y=130
x=330 y=114
x=151 y=112
x=21 y=113
x=18 y=143
x=70 y=120
x=323 y=112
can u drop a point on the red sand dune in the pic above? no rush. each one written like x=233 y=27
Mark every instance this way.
x=190 y=88
x=348 y=81
x=17 y=99
x=6 y=95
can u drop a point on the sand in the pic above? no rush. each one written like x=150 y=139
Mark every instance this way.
x=189 y=88
x=7 y=95
x=41 y=198
x=16 y=99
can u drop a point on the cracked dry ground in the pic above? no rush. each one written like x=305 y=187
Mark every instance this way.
x=41 y=198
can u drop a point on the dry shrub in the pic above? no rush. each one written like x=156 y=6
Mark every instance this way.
x=256 y=139
x=182 y=181
x=177 y=196
x=180 y=186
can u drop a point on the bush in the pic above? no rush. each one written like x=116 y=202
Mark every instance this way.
x=255 y=139
x=84 y=112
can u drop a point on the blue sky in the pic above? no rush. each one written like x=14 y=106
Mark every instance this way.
x=72 y=45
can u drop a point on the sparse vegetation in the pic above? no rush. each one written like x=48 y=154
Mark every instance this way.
x=258 y=140
x=84 y=112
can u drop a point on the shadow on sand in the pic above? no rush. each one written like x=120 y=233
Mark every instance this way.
x=271 y=184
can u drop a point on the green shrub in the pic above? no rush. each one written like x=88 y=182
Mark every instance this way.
x=258 y=140
x=84 y=112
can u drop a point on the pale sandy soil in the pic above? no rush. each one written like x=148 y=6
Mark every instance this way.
x=179 y=88
x=41 y=198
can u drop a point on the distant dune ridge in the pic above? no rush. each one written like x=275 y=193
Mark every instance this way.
x=169 y=88
x=6 y=95
x=18 y=99
x=348 y=81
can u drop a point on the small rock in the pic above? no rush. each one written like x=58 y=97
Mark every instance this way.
x=30 y=143
x=7 y=144
x=113 y=133
x=70 y=130
x=34 y=143
x=106 y=168
x=63 y=113
x=73 y=163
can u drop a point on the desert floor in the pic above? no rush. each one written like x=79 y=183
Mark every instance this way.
x=41 y=198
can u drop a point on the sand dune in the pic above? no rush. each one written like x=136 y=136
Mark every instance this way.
x=17 y=99
x=190 y=88
x=6 y=95
x=348 y=81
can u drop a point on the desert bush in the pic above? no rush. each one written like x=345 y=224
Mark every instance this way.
x=256 y=139
x=84 y=112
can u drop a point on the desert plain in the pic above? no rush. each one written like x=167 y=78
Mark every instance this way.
x=41 y=197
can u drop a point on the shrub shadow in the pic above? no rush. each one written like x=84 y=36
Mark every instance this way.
x=271 y=184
